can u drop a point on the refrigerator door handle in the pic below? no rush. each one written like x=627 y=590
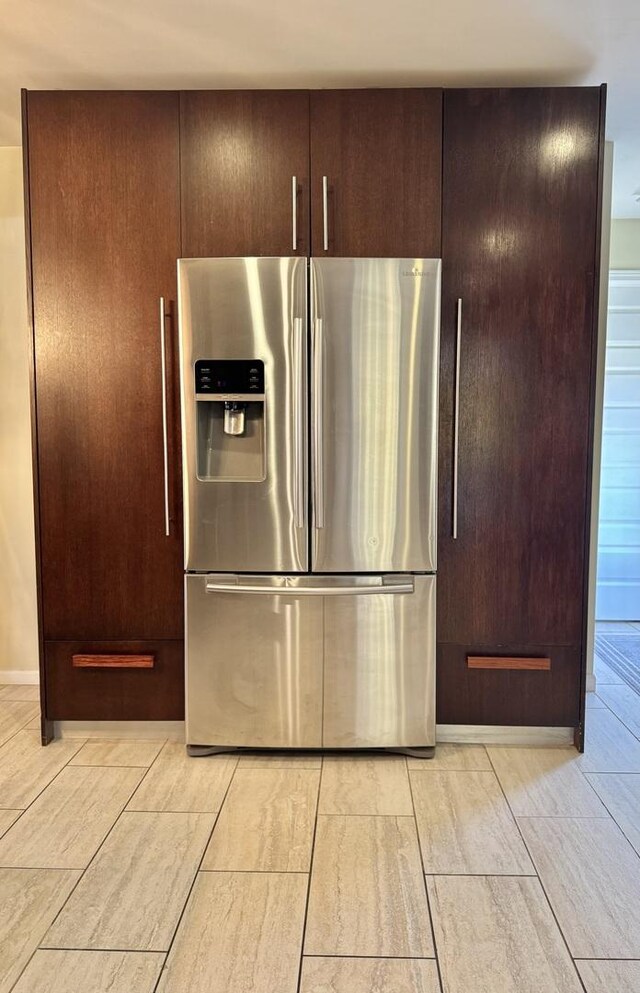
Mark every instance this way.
x=318 y=440
x=296 y=591
x=456 y=420
x=298 y=345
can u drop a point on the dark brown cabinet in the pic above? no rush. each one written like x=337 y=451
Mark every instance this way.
x=503 y=184
x=245 y=172
x=520 y=229
x=376 y=167
x=103 y=189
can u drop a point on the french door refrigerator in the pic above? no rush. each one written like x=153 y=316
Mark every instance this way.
x=309 y=419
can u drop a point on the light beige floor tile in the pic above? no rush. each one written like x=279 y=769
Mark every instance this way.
x=26 y=767
x=544 y=782
x=609 y=746
x=621 y=796
x=610 y=977
x=7 y=818
x=624 y=702
x=132 y=894
x=178 y=782
x=30 y=693
x=266 y=822
x=367 y=893
x=122 y=752
x=33 y=725
x=14 y=714
x=280 y=760
x=342 y=975
x=29 y=901
x=465 y=825
x=241 y=933
x=593 y=702
x=365 y=784
x=55 y=971
x=453 y=758
x=498 y=936
x=66 y=825
x=591 y=875
x=605 y=676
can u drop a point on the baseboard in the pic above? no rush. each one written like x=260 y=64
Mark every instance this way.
x=456 y=733
x=172 y=730
x=26 y=677
x=488 y=734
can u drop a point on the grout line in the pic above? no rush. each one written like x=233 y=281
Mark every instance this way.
x=426 y=888
x=537 y=876
x=306 y=905
x=267 y=872
x=195 y=875
x=386 y=958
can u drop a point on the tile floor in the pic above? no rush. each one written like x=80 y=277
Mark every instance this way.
x=129 y=868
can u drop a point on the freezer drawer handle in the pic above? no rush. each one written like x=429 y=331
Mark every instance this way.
x=293 y=591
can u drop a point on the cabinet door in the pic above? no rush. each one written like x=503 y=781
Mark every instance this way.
x=521 y=182
x=105 y=235
x=376 y=168
x=245 y=172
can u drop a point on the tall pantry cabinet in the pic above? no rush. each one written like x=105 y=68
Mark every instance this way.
x=104 y=232
x=520 y=245
x=502 y=184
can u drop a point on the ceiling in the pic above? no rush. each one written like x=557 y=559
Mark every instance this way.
x=153 y=44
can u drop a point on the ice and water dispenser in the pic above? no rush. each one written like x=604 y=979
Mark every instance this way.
x=230 y=401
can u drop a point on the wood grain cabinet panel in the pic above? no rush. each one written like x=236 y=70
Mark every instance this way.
x=240 y=150
x=520 y=231
x=381 y=152
x=105 y=235
x=105 y=693
x=529 y=697
x=519 y=242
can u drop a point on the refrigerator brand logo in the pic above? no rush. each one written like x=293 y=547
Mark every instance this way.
x=413 y=272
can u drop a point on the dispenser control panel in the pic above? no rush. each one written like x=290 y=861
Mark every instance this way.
x=233 y=377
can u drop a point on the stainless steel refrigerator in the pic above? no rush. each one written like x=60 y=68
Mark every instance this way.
x=309 y=418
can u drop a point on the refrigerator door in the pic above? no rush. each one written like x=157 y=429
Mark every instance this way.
x=379 y=665
x=376 y=327
x=243 y=327
x=254 y=662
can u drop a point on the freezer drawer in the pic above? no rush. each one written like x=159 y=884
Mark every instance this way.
x=311 y=661
x=379 y=668
x=254 y=664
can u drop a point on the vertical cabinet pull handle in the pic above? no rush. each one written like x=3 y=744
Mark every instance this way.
x=318 y=481
x=299 y=391
x=294 y=213
x=325 y=213
x=165 y=442
x=456 y=420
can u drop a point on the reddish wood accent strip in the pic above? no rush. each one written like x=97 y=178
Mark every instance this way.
x=495 y=662
x=113 y=661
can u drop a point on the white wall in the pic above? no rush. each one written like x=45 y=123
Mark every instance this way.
x=625 y=243
x=18 y=610
x=618 y=592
